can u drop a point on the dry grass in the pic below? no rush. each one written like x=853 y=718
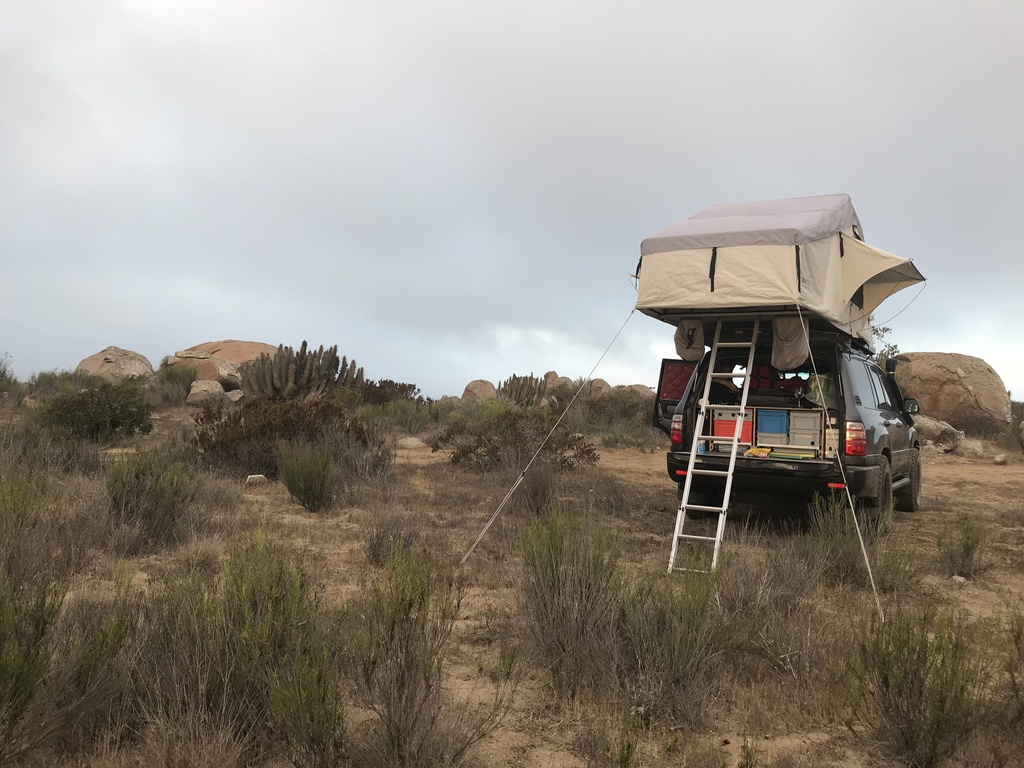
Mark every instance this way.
x=257 y=634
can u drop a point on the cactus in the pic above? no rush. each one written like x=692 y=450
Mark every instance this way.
x=523 y=390
x=288 y=374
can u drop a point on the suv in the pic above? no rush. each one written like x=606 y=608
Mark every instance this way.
x=837 y=422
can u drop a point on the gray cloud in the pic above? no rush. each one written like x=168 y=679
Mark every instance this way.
x=451 y=191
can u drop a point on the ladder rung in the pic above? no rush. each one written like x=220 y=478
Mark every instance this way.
x=722 y=439
x=693 y=537
x=703 y=508
x=735 y=344
x=712 y=472
x=725 y=375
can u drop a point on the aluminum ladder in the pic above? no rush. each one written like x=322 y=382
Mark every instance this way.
x=698 y=438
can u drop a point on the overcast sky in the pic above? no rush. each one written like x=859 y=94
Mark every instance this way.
x=458 y=190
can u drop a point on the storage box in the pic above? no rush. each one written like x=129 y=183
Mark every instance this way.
x=805 y=421
x=770 y=420
x=805 y=438
x=723 y=424
x=771 y=438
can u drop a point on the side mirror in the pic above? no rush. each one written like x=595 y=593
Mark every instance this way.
x=912 y=406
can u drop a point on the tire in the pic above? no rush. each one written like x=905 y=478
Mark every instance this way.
x=882 y=503
x=908 y=499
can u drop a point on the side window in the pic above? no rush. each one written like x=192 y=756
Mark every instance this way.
x=883 y=397
x=863 y=385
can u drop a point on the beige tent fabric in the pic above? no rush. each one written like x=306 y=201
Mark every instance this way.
x=771 y=256
x=789 y=342
x=689 y=338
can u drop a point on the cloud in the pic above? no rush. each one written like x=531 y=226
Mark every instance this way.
x=464 y=188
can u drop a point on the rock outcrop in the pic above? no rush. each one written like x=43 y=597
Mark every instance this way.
x=206 y=393
x=235 y=351
x=220 y=361
x=207 y=367
x=115 y=364
x=938 y=432
x=962 y=390
x=479 y=389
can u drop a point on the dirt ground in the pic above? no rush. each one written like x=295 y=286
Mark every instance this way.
x=454 y=506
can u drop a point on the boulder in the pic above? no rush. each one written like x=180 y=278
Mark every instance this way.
x=204 y=392
x=599 y=387
x=971 y=449
x=938 y=432
x=479 y=389
x=207 y=367
x=233 y=350
x=1020 y=434
x=962 y=390
x=640 y=389
x=115 y=364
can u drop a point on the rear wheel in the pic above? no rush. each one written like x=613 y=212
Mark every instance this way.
x=908 y=498
x=881 y=505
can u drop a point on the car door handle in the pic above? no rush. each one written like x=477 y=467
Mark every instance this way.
x=896 y=423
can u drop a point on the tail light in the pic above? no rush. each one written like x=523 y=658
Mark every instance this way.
x=675 y=433
x=856 y=439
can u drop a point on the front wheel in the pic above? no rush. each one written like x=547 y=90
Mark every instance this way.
x=908 y=498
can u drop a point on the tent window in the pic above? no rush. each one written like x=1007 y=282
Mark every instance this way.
x=858 y=298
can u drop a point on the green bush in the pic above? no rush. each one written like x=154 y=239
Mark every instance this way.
x=48 y=383
x=963 y=548
x=307 y=471
x=400 y=631
x=386 y=533
x=253 y=655
x=170 y=385
x=831 y=547
x=7 y=380
x=571 y=591
x=151 y=494
x=507 y=437
x=35 y=447
x=388 y=391
x=102 y=412
x=921 y=683
x=668 y=635
x=244 y=440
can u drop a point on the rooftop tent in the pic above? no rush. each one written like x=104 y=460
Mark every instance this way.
x=770 y=256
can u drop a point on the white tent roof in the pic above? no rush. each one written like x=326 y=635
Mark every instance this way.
x=771 y=256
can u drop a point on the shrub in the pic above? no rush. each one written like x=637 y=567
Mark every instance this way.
x=244 y=440
x=253 y=657
x=101 y=412
x=400 y=632
x=307 y=471
x=36 y=447
x=7 y=380
x=48 y=383
x=831 y=547
x=388 y=391
x=507 y=437
x=668 y=635
x=920 y=682
x=387 y=533
x=963 y=551
x=571 y=591
x=152 y=495
x=170 y=385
